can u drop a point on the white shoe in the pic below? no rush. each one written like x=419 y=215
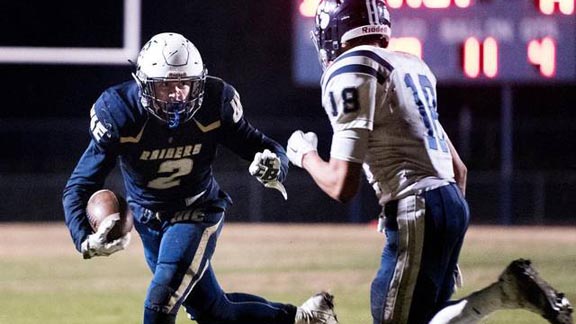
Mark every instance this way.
x=318 y=309
x=522 y=287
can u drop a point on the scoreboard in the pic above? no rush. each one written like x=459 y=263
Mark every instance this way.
x=467 y=41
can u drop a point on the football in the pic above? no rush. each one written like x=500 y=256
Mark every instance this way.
x=105 y=202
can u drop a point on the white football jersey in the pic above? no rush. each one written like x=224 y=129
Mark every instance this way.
x=391 y=97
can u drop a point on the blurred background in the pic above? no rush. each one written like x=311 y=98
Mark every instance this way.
x=506 y=96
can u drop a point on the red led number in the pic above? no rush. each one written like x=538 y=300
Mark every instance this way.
x=410 y=45
x=549 y=7
x=480 y=58
x=542 y=54
x=307 y=8
x=432 y=4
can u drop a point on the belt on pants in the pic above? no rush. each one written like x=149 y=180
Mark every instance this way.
x=186 y=215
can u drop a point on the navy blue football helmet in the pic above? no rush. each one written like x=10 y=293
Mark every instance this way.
x=338 y=21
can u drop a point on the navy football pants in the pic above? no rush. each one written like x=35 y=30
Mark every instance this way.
x=424 y=234
x=179 y=256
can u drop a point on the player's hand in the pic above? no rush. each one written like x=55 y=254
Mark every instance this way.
x=96 y=244
x=266 y=168
x=300 y=144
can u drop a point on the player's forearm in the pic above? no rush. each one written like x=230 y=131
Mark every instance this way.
x=334 y=177
x=460 y=169
x=75 y=216
x=88 y=176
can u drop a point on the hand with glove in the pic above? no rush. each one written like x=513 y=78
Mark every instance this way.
x=299 y=144
x=97 y=245
x=266 y=168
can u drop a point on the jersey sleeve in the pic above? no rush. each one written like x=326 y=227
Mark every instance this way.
x=88 y=176
x=349 y=96
x=350 y=145
x=241 y=137
x=349 y=101
x=90 y=172
x=104 y=124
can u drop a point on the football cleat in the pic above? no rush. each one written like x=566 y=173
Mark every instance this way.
x=523 y=287
x=318 y=309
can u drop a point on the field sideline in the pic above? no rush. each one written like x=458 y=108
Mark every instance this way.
x=44 y=280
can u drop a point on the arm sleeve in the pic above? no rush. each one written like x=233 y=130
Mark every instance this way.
x=244 y=139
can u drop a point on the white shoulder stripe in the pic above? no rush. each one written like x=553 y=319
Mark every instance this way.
x=371 y=7
x=237 y=107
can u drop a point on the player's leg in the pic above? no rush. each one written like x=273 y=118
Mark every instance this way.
x=380 y=284
x=393 y=286
x=446 y=221
x=518 y=287
x=151 y=236
x=184 y=254
x=410 y=281
x=208 y=304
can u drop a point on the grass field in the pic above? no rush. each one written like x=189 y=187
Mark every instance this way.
x=44 y=280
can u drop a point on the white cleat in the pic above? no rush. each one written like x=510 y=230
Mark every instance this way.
x=523 y=287
x=318 y=309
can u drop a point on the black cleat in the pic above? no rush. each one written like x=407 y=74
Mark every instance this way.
x=523 y=287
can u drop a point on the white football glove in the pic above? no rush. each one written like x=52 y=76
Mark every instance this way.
x=96 y=244
x=266 y=169
x=300 y=144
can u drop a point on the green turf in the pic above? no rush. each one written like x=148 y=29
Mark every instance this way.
x=51 y=283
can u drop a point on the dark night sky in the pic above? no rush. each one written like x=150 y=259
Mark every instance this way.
x=248 y=44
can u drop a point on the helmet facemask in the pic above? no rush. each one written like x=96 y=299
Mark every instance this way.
x=171 y=77
x=173 y=111
x=327 y=45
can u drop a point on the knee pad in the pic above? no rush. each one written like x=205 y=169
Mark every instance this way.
x=158 y=298
x=151 y=316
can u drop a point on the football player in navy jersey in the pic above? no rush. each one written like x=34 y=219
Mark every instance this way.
x=164 y=128
x=382 y=106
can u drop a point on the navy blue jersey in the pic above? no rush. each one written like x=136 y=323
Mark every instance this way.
x=163 y=169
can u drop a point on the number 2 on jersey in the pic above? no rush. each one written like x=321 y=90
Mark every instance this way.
x=427 y=109
x=176 y=168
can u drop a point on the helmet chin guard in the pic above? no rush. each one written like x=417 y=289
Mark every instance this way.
x=170 y=57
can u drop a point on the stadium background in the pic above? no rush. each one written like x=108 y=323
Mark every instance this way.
x=44 y=116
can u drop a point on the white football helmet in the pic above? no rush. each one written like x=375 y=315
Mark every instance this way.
x=168 y=57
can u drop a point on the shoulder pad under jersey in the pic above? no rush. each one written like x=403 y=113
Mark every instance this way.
x=221 y=103
x=117 y=113
x=232 y=108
